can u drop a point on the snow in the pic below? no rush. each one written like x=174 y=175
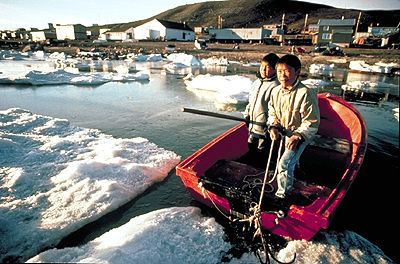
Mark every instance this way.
x=55 y=178
x=183 y=235
x=224 y=89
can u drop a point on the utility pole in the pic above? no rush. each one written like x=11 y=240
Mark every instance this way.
x=220 y=22
x=358 y=21
x=305 y=23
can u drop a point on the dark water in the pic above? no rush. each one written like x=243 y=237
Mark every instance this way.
x=152 y=110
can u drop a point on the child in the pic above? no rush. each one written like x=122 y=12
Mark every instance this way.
x=257 y=109
x=293 y=107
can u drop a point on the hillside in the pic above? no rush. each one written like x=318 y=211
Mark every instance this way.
x=255 y=13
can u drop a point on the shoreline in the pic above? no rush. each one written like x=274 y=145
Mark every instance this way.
x=247 y=53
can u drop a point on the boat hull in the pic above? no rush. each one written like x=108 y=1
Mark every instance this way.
x=338 y=120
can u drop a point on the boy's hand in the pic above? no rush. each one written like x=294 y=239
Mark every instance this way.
x=274 y=133
x=292 y=142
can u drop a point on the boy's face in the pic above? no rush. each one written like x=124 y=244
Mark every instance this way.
x=266 y=71
x=286 y=74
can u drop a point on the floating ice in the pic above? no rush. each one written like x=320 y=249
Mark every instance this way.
x=314 y=83
x=182 y=235
x=173 y=235
x=69 y=75
x=369 y=86
x=142 y=57
x=184 y=59
x=225 y=89
x=321 y=68
x=215 y=61
x=379 y=67
x=55 y=178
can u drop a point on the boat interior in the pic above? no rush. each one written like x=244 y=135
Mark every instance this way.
x=320 y=169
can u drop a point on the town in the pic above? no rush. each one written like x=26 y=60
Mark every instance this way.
x=344 y=32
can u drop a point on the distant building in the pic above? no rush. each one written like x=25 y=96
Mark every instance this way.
x=337 y=31
x=239 y=34
x=158 y=29
x=71 y=32
x=118 y=33
x=41 y=35
x=382 y=31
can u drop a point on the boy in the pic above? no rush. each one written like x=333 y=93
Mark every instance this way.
x=257 y=109
x=293 y=108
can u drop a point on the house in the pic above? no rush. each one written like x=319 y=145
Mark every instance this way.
x=337 y=31
x=71 y=32
x=158 y=29
x=41 y=35
x=238 y=35
x=118 y=33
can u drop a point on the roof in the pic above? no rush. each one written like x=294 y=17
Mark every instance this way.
x=336 y=22
x=174 y=25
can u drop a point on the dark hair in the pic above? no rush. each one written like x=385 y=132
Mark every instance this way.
x=290 y=60
x=271 y=58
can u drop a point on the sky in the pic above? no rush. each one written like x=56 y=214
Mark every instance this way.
x=38 y=13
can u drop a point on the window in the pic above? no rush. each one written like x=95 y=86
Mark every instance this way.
x=325 y=28
x=326 y=36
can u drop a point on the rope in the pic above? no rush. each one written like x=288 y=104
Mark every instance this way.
x=206 y=195
x=255 y=209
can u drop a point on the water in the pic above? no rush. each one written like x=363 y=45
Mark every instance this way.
x=152 y=109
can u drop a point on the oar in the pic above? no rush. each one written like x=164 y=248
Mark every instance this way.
x=217 y=115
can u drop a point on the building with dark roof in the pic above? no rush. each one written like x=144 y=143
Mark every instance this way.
x=337 y=31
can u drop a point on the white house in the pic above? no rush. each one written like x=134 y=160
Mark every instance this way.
x=118 y=34
x=239 y=34
x=158 y=29
x=72 y=32
x=41 y=35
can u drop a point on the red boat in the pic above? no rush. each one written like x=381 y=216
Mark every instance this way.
x=216 y=176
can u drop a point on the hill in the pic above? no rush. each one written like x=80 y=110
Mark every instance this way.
x=255 y=13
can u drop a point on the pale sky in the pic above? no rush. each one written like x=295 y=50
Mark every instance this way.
x=37 y=13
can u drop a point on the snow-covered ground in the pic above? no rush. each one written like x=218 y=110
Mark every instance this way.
x=55 y=178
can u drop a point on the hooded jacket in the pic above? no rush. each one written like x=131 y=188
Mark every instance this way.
x=296 y=110
x=257 y=108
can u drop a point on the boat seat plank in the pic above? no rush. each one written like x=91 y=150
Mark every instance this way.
x=337 y=144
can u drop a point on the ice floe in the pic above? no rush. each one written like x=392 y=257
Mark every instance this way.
x=224 y=89
x=378 y=67
x=369 y=86
x=183 y=235
x=314 y=83
x=55 y=178
x=322 y=69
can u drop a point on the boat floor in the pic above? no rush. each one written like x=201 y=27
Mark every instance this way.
x=242 y=183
